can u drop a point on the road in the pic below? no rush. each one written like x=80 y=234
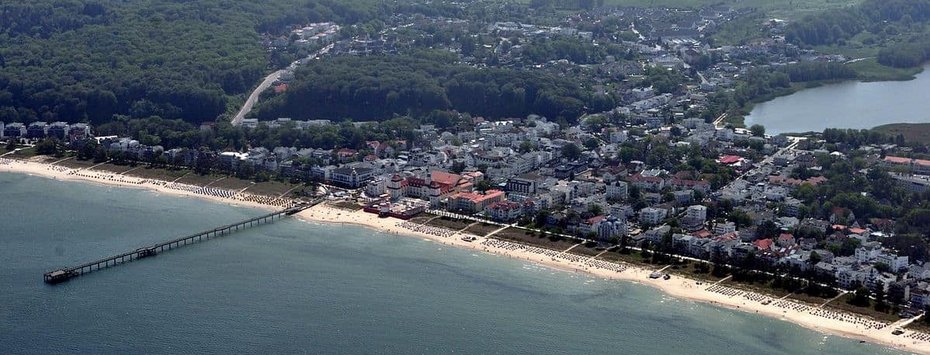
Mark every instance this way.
x=253 y=98
x=271 y=79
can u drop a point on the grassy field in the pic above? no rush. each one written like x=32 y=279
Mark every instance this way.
x=199 y=180
x=841 y=304
x=113 y=168
x=787 y=9
x=270 y=188
x=232 y=183
x=73 y=163
x=158 y=174
x=912 y=132
x=519 y=235
x=482 y=229
x=23 y=153
x=449 y=223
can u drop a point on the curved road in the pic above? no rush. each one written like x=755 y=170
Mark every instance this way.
x=253 y=98
x=270 y=79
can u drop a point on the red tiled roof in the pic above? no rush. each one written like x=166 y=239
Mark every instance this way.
x=730 y=159
x=857 y=230
x=764 y=244
x=477 y=197
x=702 y=234
x=897 y=160
x=445 y=178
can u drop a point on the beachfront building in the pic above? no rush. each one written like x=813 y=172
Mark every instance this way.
x=612 y=227
x=474 y=202
x=37 y=130
x=14 y=130
x=694 y=217
x=352 y=177
x=58 y=130
x=504 y=211
x=430 y=186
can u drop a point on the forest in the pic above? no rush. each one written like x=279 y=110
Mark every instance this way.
x=875 y=16
x=378 y=88
x=87 y=60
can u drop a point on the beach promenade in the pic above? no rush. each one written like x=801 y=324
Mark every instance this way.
x=809 y=316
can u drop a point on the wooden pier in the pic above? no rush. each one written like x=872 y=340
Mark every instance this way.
x=65 y=274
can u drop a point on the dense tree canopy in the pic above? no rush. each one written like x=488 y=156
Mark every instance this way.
x=86 y=60
x=873 y=15
x=377 y=88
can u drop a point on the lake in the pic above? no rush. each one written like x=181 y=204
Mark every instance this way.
x=857 y=105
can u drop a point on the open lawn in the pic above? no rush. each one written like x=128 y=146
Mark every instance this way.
x=520 y=235
x=842 y=305
x=232 y=183
x=482 y=229
x=346 y=205
x=113 y=168
x=77 y=164
x=270 y=188
x=446 y=222
x=157 y=174
x=199 y=180
x=912 y=132
x=23 y=153
x=758 y=288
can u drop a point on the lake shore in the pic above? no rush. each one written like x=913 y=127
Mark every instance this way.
x=820 y=319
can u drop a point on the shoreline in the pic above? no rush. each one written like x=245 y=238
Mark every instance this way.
x=679 y=287
x=824 y=320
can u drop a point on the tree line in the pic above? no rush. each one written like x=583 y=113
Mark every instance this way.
x=87 y=60
x=837 y=26
x=381 y=87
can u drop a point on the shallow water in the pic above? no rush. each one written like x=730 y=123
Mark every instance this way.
x=294 y=287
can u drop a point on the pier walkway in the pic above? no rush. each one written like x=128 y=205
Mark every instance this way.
x=65 y=274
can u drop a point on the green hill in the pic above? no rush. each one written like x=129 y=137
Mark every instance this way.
x=86 y=60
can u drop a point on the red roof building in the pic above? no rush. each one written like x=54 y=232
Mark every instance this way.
x=730 y=159
x=474 y=202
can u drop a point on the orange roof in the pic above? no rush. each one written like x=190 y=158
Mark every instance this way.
x=445 y=178
x=763 y=244
x=897 y=160
x=478 y=197
x=857 y=230
x=730 y=159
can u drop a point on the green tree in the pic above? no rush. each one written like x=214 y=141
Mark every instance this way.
x=571 y=151
x=860 y=298
x=757 y=130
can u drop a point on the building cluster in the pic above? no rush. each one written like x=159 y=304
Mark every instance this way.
x=40 y=130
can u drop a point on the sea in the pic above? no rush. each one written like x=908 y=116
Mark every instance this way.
x=294 y=287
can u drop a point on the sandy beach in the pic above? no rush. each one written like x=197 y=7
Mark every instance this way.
x=820 y=319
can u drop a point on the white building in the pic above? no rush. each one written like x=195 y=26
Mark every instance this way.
x=724 y=228
x=651 y=216
x=618 y=190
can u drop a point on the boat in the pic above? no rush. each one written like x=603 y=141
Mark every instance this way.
x=655 y=275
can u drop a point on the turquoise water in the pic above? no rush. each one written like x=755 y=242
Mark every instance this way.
x=851 y=104
x=294 y=287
